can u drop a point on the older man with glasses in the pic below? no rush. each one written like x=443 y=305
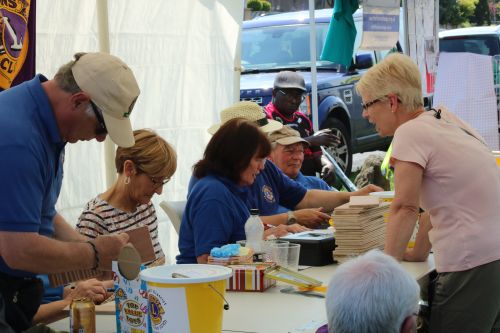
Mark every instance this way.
x=88 y=98
x=288 y=154
x=288 y=93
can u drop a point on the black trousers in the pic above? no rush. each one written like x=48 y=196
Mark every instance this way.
x=19 y=301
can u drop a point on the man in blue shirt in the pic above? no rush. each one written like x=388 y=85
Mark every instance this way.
x=288 y=154
x=88 y=98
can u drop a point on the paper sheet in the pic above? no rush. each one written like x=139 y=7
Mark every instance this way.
x=465 y=86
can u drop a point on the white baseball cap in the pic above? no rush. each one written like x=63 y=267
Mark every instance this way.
x=113 y=88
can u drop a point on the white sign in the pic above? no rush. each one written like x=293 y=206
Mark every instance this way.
x=380 y=25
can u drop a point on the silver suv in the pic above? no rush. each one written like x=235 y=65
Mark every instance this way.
x=480 y=40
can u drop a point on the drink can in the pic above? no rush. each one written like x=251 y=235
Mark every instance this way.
x=82 y=316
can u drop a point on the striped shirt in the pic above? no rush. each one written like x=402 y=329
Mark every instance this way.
x=100 y=218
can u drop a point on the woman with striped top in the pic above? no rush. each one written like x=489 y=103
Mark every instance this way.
x=142 y=169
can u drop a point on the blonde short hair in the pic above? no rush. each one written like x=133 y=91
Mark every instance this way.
x=151 y=154
x=396 y=74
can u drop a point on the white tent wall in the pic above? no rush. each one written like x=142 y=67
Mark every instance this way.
x=183 y=55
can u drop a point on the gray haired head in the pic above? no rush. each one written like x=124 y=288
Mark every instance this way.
x=371 y=294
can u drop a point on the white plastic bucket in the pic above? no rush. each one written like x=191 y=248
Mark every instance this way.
x=191 y=302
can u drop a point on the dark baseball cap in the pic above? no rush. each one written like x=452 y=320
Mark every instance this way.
x=289 y=80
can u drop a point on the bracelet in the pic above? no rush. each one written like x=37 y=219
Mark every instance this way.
x=96 y=255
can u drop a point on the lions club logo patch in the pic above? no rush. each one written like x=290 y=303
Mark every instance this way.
x=156 y=310
x=268 y=193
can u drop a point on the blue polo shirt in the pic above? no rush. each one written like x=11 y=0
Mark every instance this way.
x=271 y=189
x=50 y=294
x=31 y=162
x=313 y=183
x=215 y=215
x=310 y=183
x=217 y=209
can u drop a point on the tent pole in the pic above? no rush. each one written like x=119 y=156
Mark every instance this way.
x=103 y=37
x=237 y=62
x=314 y=83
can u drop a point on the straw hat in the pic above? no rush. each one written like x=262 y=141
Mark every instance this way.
x=250 y=111
x=286 y=136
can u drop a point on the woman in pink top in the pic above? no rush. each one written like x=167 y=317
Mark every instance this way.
x=442 y=165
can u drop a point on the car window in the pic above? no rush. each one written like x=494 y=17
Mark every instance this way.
x=487 y=45
x=281 y=46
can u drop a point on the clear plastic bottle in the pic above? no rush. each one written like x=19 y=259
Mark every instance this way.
x=254 y=231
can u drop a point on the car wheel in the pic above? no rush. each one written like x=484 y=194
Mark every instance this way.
x=343 y=152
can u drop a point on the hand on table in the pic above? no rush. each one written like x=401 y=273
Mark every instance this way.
x=295 y=228
x=92 y=288
x=276 y=232
x=311 y=217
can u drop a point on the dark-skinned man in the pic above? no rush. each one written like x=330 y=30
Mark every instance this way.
x=289 y=91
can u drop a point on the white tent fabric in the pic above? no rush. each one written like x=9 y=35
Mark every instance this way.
x=183 y=55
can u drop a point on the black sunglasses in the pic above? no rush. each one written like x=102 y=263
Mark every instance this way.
x=291 y=95
x=98 y=114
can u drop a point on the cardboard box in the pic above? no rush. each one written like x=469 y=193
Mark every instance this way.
x=131 y=303
x=249 y=278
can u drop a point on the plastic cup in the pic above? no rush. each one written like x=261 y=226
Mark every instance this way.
x=268 y=244
x=286 y=255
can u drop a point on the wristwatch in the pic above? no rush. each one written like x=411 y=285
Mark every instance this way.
x=291 y=218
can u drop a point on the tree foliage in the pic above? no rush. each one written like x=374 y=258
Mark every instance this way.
x=451 y=13
x=481 y=14
x=456 y=13
x=254 y=5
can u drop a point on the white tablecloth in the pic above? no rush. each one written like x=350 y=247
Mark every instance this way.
x=271 y=311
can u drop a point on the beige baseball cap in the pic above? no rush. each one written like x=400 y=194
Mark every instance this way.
x=113 y=88
x=286 y=136
x=250 y=111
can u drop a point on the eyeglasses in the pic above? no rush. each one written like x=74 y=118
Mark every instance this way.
x=157 y=183
x=98 y=114
x=375 y=101
x=370 y=103
x=293 y=95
